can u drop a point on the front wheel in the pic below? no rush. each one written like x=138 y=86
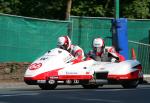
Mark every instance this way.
x=47 y=86
x=130 y=84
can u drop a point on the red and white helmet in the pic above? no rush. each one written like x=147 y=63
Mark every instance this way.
x=98 y=44
x=64 y=42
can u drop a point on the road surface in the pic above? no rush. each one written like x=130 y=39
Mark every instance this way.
x=22 y=93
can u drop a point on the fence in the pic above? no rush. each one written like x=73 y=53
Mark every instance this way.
x=24 y=39
x=85 y=29
x=143 y=54
x=139 y=39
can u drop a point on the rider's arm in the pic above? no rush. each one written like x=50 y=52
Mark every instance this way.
x=78 y=55
x=116 y=57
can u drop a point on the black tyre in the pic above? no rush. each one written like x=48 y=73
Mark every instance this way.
x=90 y=86
x=47 y=86
x=101 y=85
x=130 y=84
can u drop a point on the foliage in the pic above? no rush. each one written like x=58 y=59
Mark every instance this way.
x=136 y=9
x=10 y=6
x=43 y=8
x=88 y=8
x=55 y=9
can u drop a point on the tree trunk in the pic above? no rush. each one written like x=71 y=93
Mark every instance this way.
x=69 y=3
x=107 y=3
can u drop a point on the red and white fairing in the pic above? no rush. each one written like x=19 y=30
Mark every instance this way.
x=57 y=63
x=129 y=69
x=56 y=67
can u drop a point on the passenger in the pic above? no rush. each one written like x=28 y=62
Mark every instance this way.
x=64 y=42
x=102 y=53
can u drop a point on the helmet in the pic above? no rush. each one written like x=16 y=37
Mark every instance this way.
x=64 y=42
x=98 y=44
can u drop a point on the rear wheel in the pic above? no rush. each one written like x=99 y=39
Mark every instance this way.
x=47 y=86
x=90 y=86
x=130 y=84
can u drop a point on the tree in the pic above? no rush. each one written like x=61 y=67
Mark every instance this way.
x=87 y=8
x=68 y=10
x=57 y=9
x=10 y=7
x=50 y=9
x=135 y=9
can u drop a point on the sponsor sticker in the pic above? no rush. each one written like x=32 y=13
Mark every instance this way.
x=71 y=73
x=60 y=81
x=76 y=81
x=41 y=81
x=44 y=58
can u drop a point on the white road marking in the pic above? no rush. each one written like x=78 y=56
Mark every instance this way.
x=104 y=100
x=95 y=100
x=23 y=94
x=109 y=90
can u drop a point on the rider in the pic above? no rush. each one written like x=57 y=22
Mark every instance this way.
x=102 y=53
x=64 y=42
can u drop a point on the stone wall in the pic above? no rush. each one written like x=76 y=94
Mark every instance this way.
x=13 y=71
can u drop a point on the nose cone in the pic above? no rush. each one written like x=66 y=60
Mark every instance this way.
x=33 y=71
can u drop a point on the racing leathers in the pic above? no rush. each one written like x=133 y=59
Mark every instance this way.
x=77 y=52
x=108 y=55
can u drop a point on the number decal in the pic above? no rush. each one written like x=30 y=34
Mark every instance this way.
x=35 y=66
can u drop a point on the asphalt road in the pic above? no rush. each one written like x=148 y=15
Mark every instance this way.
x=74 y=94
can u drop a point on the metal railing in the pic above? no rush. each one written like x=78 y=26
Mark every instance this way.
x=143 y=54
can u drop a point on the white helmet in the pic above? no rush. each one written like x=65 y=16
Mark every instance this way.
x=64 y=42
x=98 y=44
